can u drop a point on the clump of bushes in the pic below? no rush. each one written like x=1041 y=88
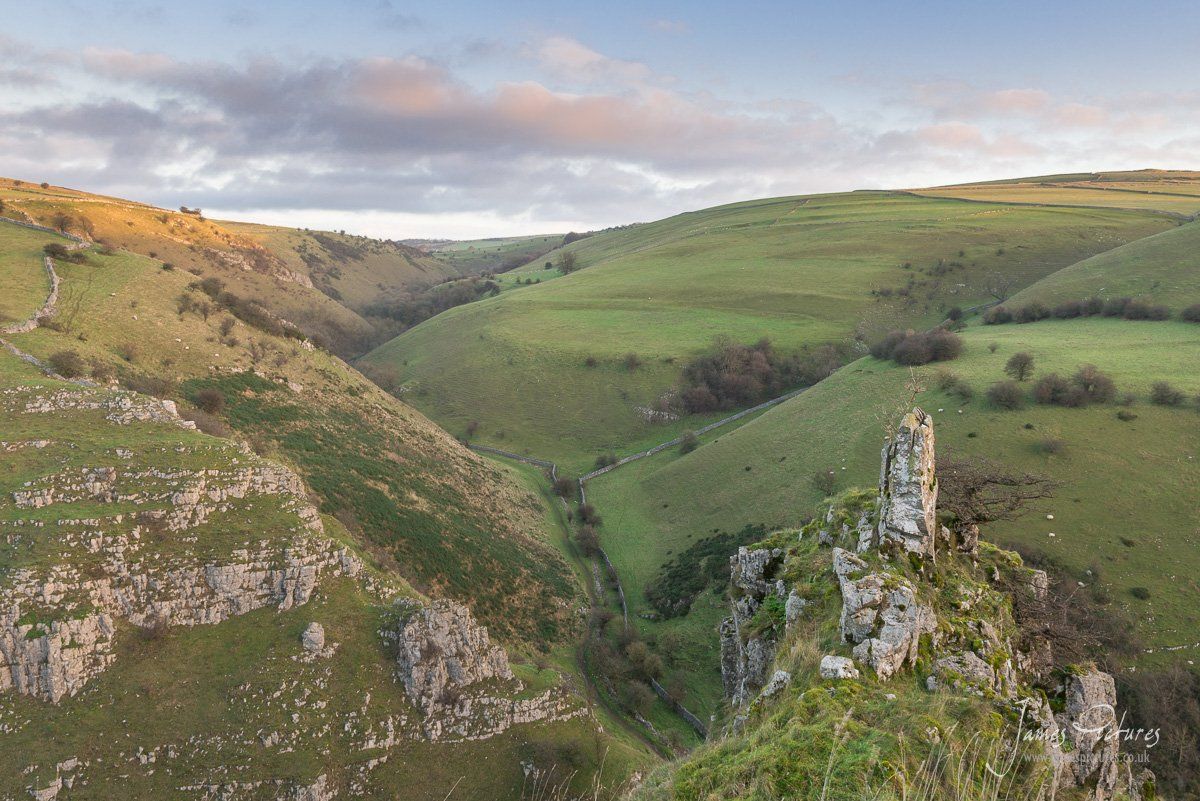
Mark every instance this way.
x=250 y=312
x=741 y=375
x=1164 y=394
x=1191 y=314
x=1089 y=385
x=1006 y=395
x=912 y=348
x=1126 y=308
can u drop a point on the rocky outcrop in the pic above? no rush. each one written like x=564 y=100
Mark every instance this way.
x=442 y=648
x=1089 y=724
x=908 y=488
x=54 y=659
x=746 y=660
x=881 y=613
x=462 y=682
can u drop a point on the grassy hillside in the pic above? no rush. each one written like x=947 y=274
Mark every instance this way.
x=354 y=270
x=515 y=368
x=22 y=289
x=318 y=280
x=1125 y=507
x=237 y=702
x=477 y=256
x=1164 y=268
x=443 y=518
x=1173 y=191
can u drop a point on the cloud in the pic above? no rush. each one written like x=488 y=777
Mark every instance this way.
x=580 y=137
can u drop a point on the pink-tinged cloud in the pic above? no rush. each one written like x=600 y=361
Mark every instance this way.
x=1017 y=101
x=956 y=136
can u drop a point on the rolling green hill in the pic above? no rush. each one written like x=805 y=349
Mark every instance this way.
x=1173 y=191
x=762 y=473
x=320 y=280
x=1164 y=268
x=517 y=369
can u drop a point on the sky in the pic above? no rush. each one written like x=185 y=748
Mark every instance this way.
x=473 y=119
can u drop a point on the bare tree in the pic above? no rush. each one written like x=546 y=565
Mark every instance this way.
x=998 y=285
x=977 y=490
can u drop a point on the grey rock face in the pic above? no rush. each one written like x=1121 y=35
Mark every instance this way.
x=880 y=613
x=793 y=608
x=750 y=571
x=838 y=667
x=441 y=647
x=1089 y=721
x=907 y=488
x=745 y=664
x=964 y=671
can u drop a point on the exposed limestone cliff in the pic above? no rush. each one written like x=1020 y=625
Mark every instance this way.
x=462 y=682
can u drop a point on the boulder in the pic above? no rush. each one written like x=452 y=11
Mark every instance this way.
x=838 y=667
x=779 y=680
x=313 y=638
x=963 y=671
x=751 y=571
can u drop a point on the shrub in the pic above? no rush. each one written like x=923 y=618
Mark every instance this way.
x=148 y=384
x=213 y=426
x=1141 y=593
x=1163 y=394
x=1068 y=309
x=1053 y=389
x=884 y=348
x=588 y=540
x=688 y=442
x=1006 y=395
x=606 y=459
x=565 y=487
x=1098 y=386
x=1052 y=445
x=993 y=347
x=1031 y=313
x=1140 y=310
x=1093 y=306
x=590 y=361
x=1191 y=314
x=912 y=349
x=588 y=516
x=950 y=383
x=997 y=315
x=1126 y=416
x=69 y=364
x=1115 y=307
x=825 y=481
x=632 y=361
x=954 y=313
x=1019 y=366
x=210 y=400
